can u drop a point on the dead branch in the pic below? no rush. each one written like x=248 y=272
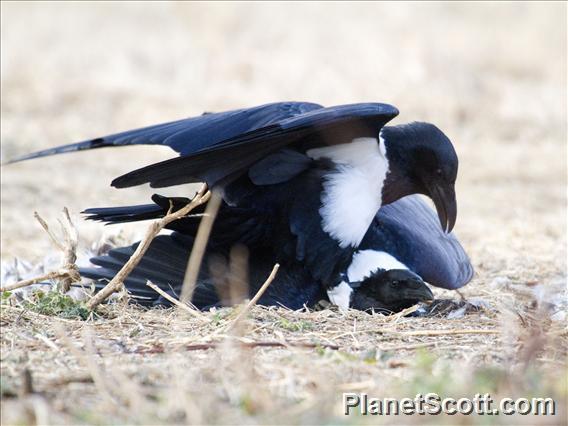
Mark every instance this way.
x=408 y=347
x=26 y=387
x=49 y=276
x=237 y=279
x=69 y=273
x=442 y=332
x=116 y=283
x=63 y=381
x=204 y=346
x=257 y=296
x=69 y=252
x=199 y=246
x=45 y=226
x=176 y=302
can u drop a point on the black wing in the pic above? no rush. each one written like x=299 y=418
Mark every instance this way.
x=232 y=225
x=222 y=162
x=409 y=230
x=190 y=135
x=165 y=262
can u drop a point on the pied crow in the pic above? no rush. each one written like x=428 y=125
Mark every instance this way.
x=404 y=235
x=164 y=264
x=314 y=176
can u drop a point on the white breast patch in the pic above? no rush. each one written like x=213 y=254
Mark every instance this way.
x=352 y=194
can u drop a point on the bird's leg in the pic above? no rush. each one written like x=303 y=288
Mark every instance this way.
x=322 y=305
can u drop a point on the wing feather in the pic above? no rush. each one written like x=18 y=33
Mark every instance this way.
x=409 y=230
x=190 y=135
x=324 y=126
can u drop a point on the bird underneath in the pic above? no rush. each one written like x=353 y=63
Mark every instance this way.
x=382 y=291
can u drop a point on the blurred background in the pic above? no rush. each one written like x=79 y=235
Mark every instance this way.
x=491 y=75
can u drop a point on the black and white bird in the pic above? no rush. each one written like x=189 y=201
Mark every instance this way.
x=217 y=285
x=403 y=247
x=313 y=177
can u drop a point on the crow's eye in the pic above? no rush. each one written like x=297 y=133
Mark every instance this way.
x=394 y=283
x=439 y=172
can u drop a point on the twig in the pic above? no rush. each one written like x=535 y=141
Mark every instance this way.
x=47 y=341
x=183 y=306
x=403 y=313
x=442 y=332
x=28 y=314
x=257 y=296
x=69 y=272
x=213 y=345
x=69 y=251
x=237 y=279
x=45 y=226
x=410 y=347
x=62 y=381
x=49 y=276
x=26 y=388
x=199 y=246
x=461 y=295
x=116 y=283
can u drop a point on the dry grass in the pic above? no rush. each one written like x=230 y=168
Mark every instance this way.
x=154 y=366
x=492 y=76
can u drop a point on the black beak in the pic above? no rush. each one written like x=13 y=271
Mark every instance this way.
x=421 y=292
x=444 y=198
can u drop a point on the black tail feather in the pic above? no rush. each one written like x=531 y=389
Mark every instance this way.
x=125 y=214
x=232 y=224
x=164 y=264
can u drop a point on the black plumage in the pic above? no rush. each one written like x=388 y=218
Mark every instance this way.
x=407 y=230
x=165 y=262
x=290 y=169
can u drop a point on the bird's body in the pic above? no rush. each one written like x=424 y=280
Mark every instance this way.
x=218 y=285
x=403 y=236
x=408 y=231
x=312 y=178
x=360 y=169
x=164 y=264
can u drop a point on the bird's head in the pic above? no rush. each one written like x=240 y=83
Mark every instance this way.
x=392 y=290
x=421 y=160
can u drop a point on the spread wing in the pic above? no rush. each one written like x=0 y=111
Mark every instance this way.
x=190 y=135
x=409 y=230
x=224 y=161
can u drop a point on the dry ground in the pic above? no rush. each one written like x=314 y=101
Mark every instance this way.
x=492 y=76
